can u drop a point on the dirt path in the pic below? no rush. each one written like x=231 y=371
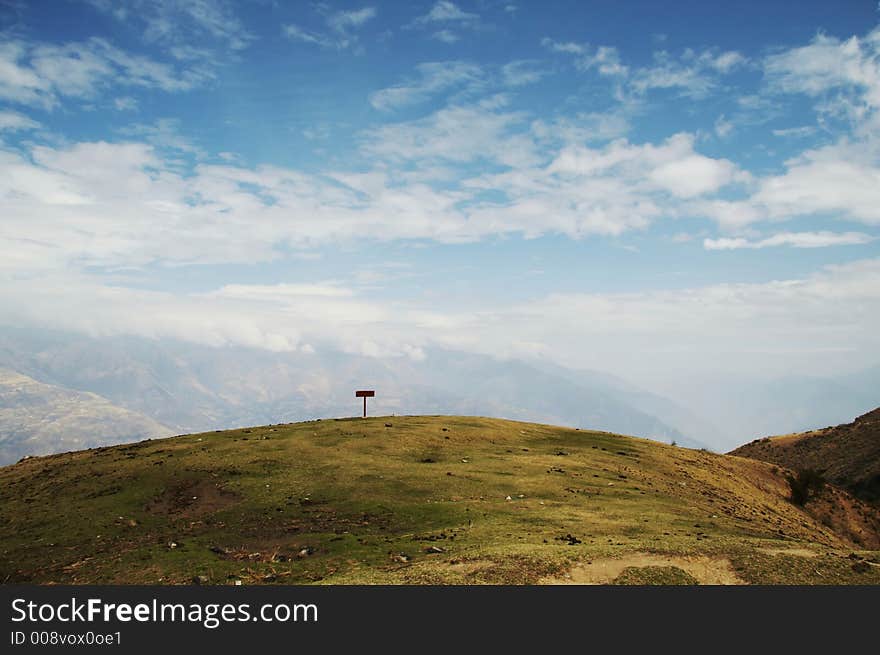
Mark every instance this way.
x=707 y=570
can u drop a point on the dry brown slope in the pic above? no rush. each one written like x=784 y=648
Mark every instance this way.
x=848 y=455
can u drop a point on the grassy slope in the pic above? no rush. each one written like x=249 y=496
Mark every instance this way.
x=339 y=501
x=848 y=454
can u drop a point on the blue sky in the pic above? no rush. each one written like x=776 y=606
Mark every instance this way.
x=662 y=190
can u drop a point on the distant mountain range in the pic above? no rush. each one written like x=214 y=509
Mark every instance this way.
x=126 y=388
x=39 y=419
x=188 y=388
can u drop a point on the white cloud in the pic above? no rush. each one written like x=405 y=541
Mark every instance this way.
x=821 y=239
x=125 y=103
x=842 y=76
x=694 y=175
x=293 y=31
x=446 y=36
x=342 y=26
x=780 y=326
x=180 y=21
x=723 y=127
x=446 y=16
x=828 y=63
x=457 y=133
x=41 y=74
x=585 y=127
x=280 y=292
x=521 y=73
x=673 y=166
x=433 y=78
x=13 y=121
x=609 y=190
x=567 y=47
x=285 y=317
x=693 y=73
x=444 y=11
x=726 y=61
x=605 y=59
x=163 y=134
x=842 y=180
x=130 y=204
x=795 y=132
x=729 y=214
x=475 y=169
x=839 y=181
x=342 y=21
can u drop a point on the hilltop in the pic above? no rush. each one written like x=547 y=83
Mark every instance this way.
x=848 y=455
x=416 y=499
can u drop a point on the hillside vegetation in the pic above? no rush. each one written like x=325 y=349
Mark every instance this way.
x=421 y=499
x=848 y=455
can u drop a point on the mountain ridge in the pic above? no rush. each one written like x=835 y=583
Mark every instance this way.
x=848 y=455
x=41 y=419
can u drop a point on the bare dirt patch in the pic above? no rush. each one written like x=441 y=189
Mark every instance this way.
x=706 y=570
x=192 y=498
x=856 y=521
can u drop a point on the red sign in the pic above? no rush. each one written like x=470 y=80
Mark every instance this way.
x=364 y=393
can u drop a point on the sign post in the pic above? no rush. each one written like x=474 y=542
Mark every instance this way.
x=367 y=393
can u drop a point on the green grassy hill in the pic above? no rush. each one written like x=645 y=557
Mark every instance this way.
x=426 y=499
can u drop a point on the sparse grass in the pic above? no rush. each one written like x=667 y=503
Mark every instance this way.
x=654 y=575
x=353 y=501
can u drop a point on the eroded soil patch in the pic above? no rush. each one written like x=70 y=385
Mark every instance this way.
x=192 y=498
x=706 y=570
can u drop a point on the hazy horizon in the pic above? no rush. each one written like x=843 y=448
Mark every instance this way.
x=61 y=391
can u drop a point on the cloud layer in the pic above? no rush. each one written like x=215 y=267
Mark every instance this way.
x=451 y=150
